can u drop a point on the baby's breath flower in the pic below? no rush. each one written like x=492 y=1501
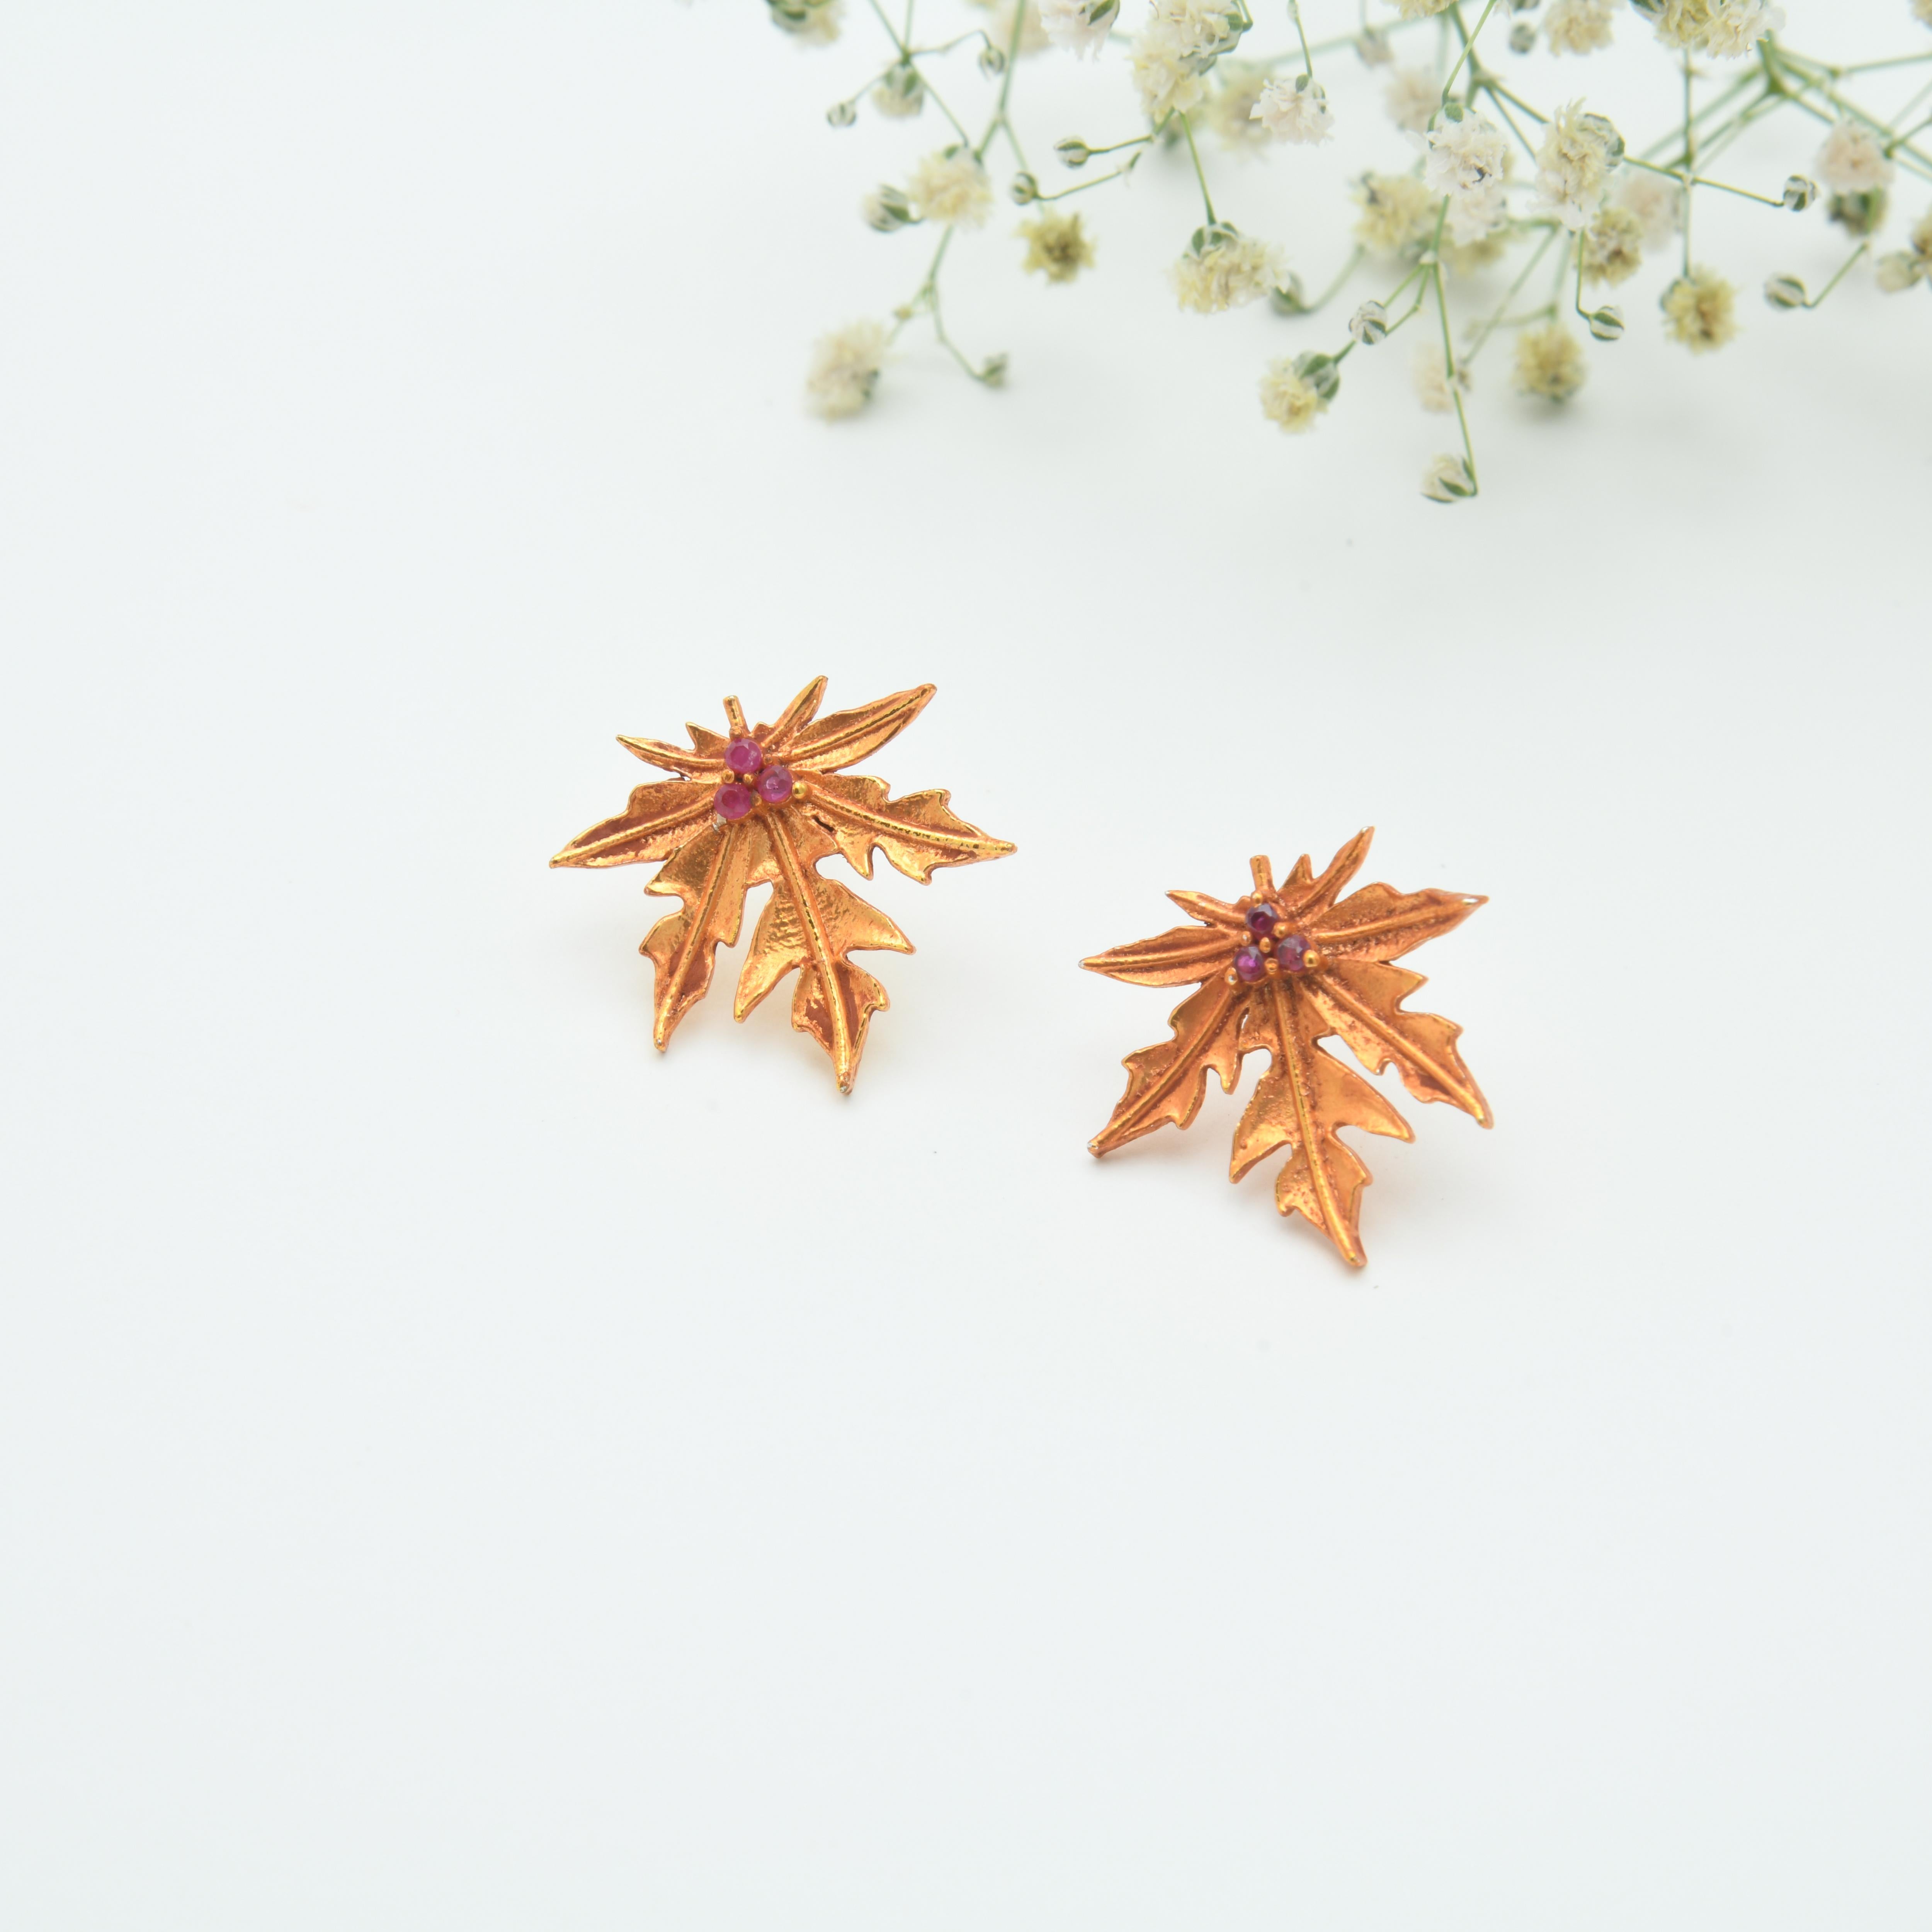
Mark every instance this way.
x=1921 y=11
x=816 y=20
x=1613 y=245
x=1224 y=269
x=1421 y=10
x=1470 y=258
x=1578 y=26
x=1550 y=362
x=1572 y=166
x=1851 y=161
x=1431 y=374
x=1656 y=201
x=1288 y=398
x=1467 y=161
x=1397 y=212
x=1700 y=310
x=1725 y=28
x=1292 y=111
x=1179 y=43
x=1412 y=97
x=1447 y=480
x=950 y=187
x=1057 y=244
x=844 y=369
x=999 y=24
x=1080 y=26
x=1737 y=26
x=1231 y=107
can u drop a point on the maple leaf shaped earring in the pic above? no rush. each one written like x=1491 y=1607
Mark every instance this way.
x=762 y=805
x=1279 y=971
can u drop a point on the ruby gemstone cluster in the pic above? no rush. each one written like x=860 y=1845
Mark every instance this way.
x=1269 y=950
x=753 y=782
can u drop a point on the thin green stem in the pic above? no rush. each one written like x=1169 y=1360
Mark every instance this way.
x=1194 y=154
x=1844 y=270
x=1468 y=43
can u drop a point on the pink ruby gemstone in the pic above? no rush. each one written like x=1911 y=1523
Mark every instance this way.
x=1248 y=964
x=733 y=801
x=775 y=785
x=1260 y=922
x=1292 y=951
x=743 y=755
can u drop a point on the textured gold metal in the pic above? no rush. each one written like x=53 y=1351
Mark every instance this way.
x=810 y=924
x=1345 y=987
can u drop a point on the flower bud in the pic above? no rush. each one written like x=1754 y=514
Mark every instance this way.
x=1368 y=324
x=1288 y=299
x=1024 y=188
x=1320 y=374
x=886 y=207
x=1522 y=36
x=1785 y=292
x=1372 y=48
x=1606 y=324
x=992 y=60
x=1447 y=480
x=1800 y=192
x=993 y=370
x=1073 y=153
x=841 y=114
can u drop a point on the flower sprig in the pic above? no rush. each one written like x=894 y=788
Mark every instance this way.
x=1554 y=190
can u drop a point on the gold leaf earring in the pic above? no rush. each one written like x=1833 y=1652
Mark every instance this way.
x=1279 y=971
x=762 y=805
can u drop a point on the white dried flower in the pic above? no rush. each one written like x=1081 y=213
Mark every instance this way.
x=1412 y=97
x=1288 y=398
x=844 y=369
x=1921 y=11
x=1573 y=165
x=950 y=187
x=1737 y=26
x=1851 y=161
x=1231 y=108
x=1421 y=10
x=1700 y=310
x=1467 y=161
x=1656 y=201
x=1431 y=373
x=1179 y=43
x=1398 y=212
x=1550 y=361
x=1725 y=28
x=1227 y=270
x=1080 y=26
x=1613 y=245
x=1578 y=26
x=1295 y=111
x=1000 y=24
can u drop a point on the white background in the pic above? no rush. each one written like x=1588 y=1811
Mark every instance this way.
x=462 y=1469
